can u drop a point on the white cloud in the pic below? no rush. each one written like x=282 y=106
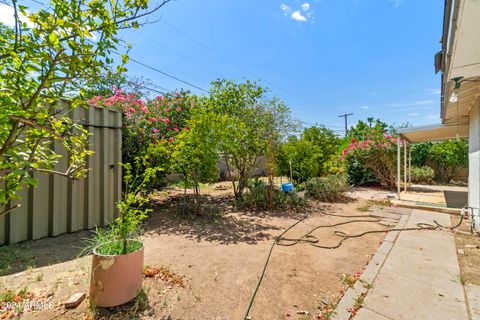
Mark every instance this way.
x=306 y=6
x=433 y=91
x=432 y=116
x=414 y=114
x=7 y=16
x=301 y=14
x=396 y=3
x=364 y=107
x=285 y=9
x=416 y=103
x=296 y=15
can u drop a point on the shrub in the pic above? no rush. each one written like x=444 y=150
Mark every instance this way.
x=423 y=174
x=377 y=154
x=310 y=155
x=358 y=174
x=329 y=189
x=256 y=197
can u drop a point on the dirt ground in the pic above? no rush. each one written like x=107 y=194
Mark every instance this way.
x=468 y=251
x=215 y=261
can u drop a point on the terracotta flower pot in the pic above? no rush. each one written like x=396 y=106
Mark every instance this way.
x=116 y=280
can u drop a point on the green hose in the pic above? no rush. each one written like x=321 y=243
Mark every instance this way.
x=313 y=241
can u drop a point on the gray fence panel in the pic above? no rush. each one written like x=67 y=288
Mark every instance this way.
x=60 y=204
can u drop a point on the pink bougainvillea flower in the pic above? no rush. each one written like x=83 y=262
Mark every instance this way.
x=171 y=139
x=152 y=119
x=131 y=110
x=159 y=98
x=353 y=140
x=144 y=109
x=155 y=130
x=175 y=129
x=186 y=128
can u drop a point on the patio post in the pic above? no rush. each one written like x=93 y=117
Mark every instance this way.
x=405 y=165
x=410 y=167
x=399 y=150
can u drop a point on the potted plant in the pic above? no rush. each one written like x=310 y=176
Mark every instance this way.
x=118 y=252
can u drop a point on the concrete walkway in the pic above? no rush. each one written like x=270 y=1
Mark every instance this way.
x=415 y=275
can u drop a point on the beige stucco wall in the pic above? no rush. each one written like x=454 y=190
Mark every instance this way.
x=474 y=162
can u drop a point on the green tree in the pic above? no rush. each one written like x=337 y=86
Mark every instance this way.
x=310 y=155
x=420 y=153
x=195 y=150
x=249 y=126
x=69 y=45
x=364 y=130
x=448 y=157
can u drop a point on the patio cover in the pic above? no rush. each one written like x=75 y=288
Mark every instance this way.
x=435 y=132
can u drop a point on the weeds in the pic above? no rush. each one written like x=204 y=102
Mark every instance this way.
x=367 y=285
x=375 y=203
x=11 y=256
x=349 y=279
x=329 y=189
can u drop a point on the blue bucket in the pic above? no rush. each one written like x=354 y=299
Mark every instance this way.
x=287 y=187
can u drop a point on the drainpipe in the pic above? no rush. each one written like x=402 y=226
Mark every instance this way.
x=398 y=166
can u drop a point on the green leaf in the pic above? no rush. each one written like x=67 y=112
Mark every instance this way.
x=124 y=58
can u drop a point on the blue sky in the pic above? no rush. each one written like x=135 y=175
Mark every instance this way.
x=373 y=58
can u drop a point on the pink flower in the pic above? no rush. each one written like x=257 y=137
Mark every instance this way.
x=159 y=98
x=144 y=109
x=152 y=119
x=186 y=128
x=353 y=140
x=170 y=139
x=175 y=129
x=131 y=110
x=155 y=130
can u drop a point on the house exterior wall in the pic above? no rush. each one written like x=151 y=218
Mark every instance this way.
x=474 y=162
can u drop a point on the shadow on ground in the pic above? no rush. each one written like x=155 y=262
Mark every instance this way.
x=43 y=252
x=220 y=222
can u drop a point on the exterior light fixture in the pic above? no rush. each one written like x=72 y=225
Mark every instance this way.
x=458 y=82
x=453 y=98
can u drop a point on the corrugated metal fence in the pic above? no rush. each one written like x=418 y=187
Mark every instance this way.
x=59 y=204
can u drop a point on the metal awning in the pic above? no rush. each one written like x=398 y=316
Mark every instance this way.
x=435 y=132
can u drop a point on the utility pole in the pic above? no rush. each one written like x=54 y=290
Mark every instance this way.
x=346 y=115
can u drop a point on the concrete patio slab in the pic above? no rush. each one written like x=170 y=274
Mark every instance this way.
x=473 y=295
x=418 y=278
x=367 y=314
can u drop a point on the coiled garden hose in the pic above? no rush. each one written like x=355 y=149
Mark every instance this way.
x=314 y=241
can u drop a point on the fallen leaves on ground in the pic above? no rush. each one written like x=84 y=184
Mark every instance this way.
x=164 y=274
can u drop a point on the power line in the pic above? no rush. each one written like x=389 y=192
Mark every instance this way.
x=179 y=54
x=234 y=63
x=164 y=73
x=168 y=75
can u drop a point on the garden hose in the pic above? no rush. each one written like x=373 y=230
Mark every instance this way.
x=314 y=241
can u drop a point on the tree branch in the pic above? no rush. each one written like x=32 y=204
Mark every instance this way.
x=35 y=125
x=9 y=209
